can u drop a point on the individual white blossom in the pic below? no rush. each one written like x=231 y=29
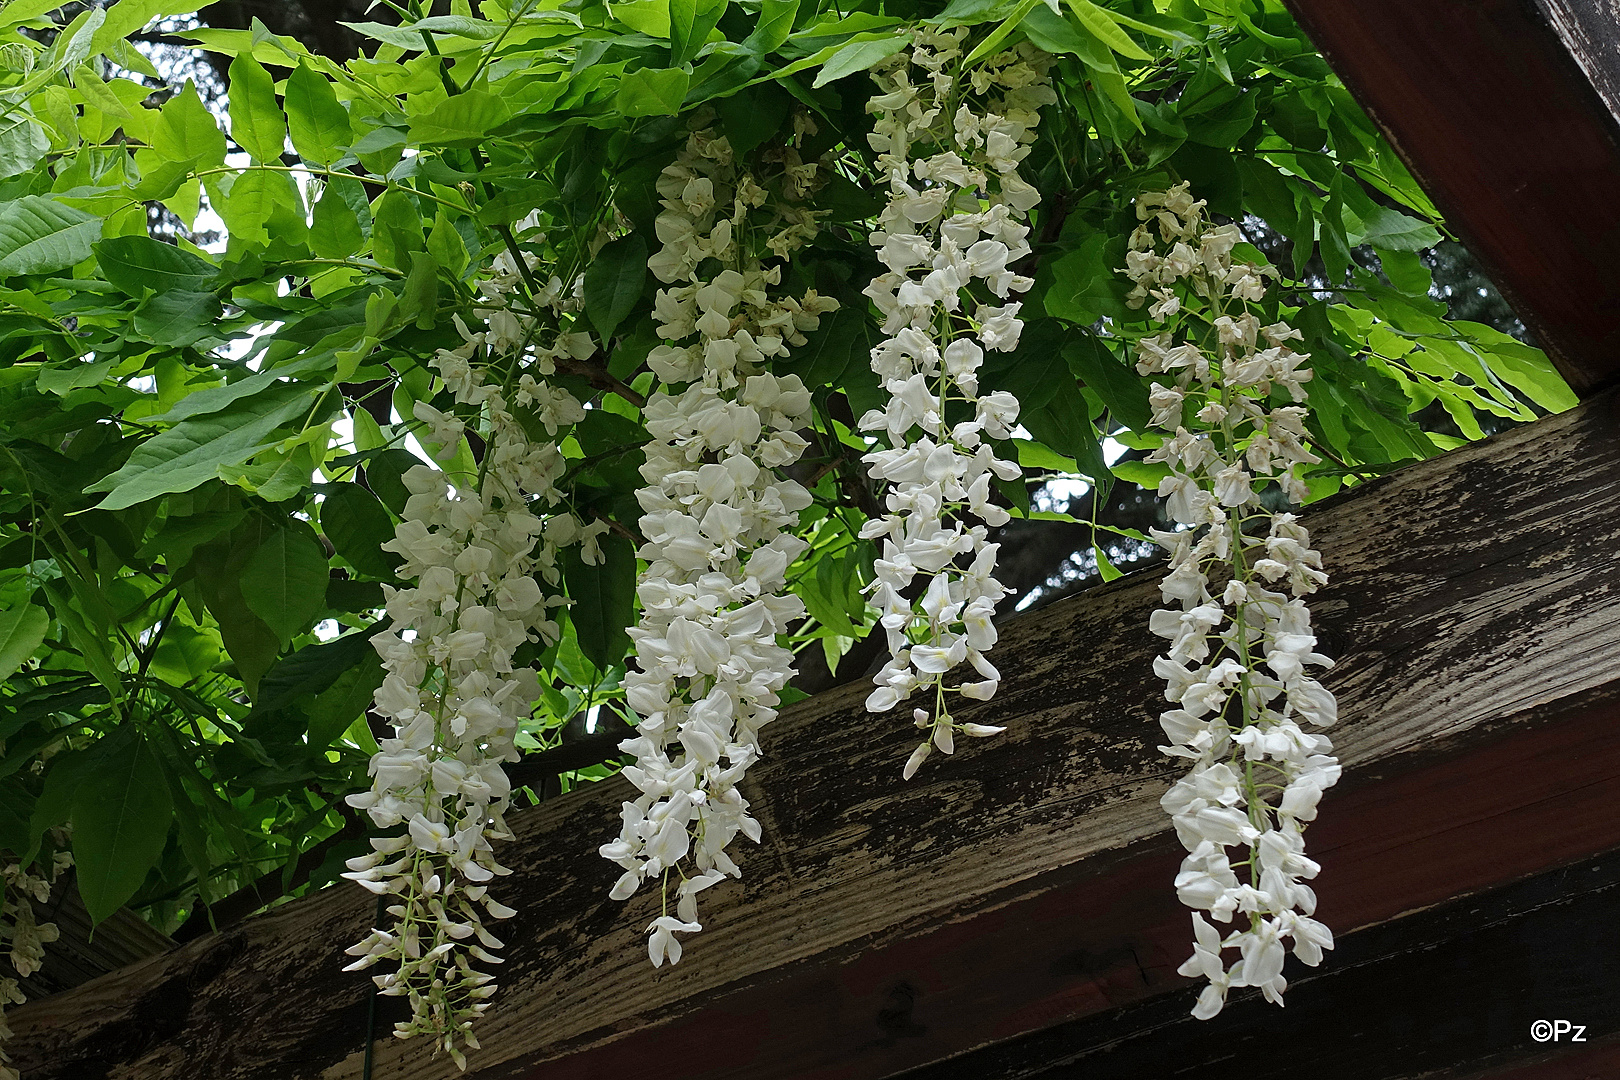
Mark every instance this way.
x=482 y=551
x=718 y=520
x=1240 y=640
x=949 y=237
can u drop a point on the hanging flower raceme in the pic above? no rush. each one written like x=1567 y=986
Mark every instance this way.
x=1241 y=644
x=952 y=230
x=19 y=891
x=718 y=521
x=483 y=561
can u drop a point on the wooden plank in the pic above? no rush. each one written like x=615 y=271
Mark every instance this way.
x=1451 y=991
x=84 y=951
x=1023 y=883
x=1497 y=119
x=1590 y=30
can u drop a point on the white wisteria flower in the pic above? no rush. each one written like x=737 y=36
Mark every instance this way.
x=1241 y=645
x=20 y=890
x=949 y=237
x=482 y=550
x=718 y=519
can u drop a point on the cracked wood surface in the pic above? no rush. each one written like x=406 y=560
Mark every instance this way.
x=884 y=925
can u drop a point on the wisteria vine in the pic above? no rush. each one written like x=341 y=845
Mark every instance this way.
x=1240 y=648
x=720 y=512
x=949 y=140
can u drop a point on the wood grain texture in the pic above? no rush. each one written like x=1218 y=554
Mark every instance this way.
x=1507 y=134
x=1473 y=604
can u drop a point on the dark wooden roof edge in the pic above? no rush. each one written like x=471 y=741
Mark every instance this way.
x=1491 y=107
x=1450 y=990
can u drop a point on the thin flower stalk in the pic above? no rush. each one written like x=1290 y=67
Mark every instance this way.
x=1231 y=405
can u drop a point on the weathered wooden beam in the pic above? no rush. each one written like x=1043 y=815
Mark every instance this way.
x=1452 y=990
x=1024 y=883
x=1492 y=105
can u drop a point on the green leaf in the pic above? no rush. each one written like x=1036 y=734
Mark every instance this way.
x=334 y=232
x=252 y=645
x=137 y=265
x=844 y=338
x=1087 y=283
x=652 y=92
x=463 y=26
x=314 y=668
x=213 y=399
x=604 y=598
x=467 y=117
x=1406 y=271
x=186 y=133
x=22 y=143
x=128 y=16
x=39 y=235
x=1114 y=382
x=383 y=477
x=774 y=26
x=419 y=299
x=1530 y=372
x=993 y=41
x=357 y=525
x=1063 y=425
x=284 y=581
x=1104 y=29
x=177 y=319
x=90 y=641
x=613 y=283
x=62 y=380
x=16 y=815
x=858 y=56
x=258 y=204
x=121 y=816
x=318 y=122
x=22 y=630
x=396 y=229
x=191 y=452
x=65 y=772
x=1395 y=231
x=257 y=123
x=650 y=17
x=347 y=698
x=690 y=22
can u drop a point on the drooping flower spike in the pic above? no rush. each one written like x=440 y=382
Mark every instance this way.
x=1241 y=643
x=718 y=520
x=482 y=552
x=949 y=236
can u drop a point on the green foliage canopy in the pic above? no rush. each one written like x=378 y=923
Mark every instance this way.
x=201 y=450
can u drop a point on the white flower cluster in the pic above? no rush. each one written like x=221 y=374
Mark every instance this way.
x=484 y=565
x=1240 y=636
x=718 y=527
x=949 y=236
x=28 y=937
